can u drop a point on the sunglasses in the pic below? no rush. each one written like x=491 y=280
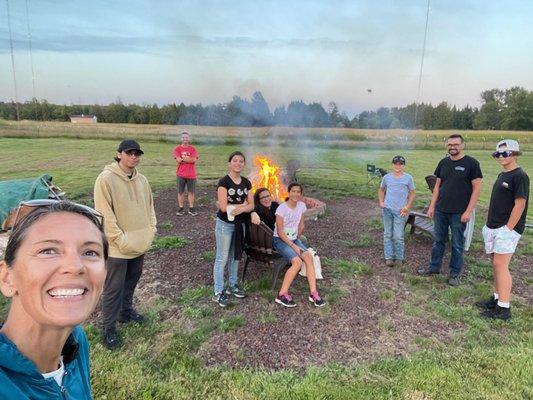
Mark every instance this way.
x=264 y=197
x=504 y=154
x=26 y=207
x=132 y=153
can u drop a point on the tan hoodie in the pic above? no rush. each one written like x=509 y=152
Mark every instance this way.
x=128 y=208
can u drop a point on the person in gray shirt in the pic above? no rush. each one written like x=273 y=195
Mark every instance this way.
x=396 y=195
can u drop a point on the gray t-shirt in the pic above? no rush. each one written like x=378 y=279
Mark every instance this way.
x=397 y=190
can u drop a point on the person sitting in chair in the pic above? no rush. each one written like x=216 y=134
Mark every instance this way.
x=265 y=208
x=288 y=229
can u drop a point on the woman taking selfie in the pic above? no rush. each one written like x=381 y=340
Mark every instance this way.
x=53 y=272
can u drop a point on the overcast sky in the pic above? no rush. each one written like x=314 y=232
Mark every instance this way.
x=207 y=51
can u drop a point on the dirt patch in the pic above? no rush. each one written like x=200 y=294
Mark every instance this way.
x=365 y=320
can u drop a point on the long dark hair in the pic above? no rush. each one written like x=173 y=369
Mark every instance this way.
x=19 y=230
x=257 y=194
x=266 y=214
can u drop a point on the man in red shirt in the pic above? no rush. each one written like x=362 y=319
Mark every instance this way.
x=186 y=157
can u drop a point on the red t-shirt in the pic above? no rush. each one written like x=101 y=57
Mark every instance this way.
x=185 y=169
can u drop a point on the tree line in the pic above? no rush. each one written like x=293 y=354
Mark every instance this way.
x=507 y=109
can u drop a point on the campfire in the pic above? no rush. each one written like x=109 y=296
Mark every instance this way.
x=269 y=175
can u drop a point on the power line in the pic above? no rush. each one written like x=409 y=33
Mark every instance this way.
x=12 y=60
x=29 y=46
x=34 y=97
x=421 y=67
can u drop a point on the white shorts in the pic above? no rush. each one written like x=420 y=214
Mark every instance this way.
x=500 y=240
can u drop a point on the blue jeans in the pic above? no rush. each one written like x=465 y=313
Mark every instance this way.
x=285 y=250
x=225 y=255
x=393 y=234
x=443 y=221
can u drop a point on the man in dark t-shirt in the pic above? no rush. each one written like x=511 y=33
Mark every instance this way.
x=454 y=197
x=505 y=224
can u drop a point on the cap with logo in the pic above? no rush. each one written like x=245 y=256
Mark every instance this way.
x=129 y=144
x=508 y=145
x=398 y=160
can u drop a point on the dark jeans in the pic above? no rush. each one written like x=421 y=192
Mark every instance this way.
x=122 y=277
x=443 y=221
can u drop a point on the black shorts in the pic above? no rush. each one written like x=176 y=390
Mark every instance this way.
x=189 y=182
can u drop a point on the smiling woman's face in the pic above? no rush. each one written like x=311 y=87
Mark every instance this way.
x=265 y=198
x=237 y=163
x=295 y=194
x=58 y=273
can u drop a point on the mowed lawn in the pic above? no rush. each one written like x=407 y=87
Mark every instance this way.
x=483 y=360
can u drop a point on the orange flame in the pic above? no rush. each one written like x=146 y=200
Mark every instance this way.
x=269 y=176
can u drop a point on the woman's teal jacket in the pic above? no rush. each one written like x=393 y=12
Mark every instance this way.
x=20 y=379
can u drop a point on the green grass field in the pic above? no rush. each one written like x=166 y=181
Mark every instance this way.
x=74 y=164
x=483 y=360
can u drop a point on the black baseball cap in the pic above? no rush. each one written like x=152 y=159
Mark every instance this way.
x=398 y=160
x=129 y=144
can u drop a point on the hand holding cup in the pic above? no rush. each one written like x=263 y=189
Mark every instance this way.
x=229 y=210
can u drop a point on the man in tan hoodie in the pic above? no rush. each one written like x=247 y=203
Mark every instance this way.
x=124 y=197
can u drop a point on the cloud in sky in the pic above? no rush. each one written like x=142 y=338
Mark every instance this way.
x=164 y=51
x=166 y=45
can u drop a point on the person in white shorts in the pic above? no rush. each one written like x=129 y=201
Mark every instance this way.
x=505 y=224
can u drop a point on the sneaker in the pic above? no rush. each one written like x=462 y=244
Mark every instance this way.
x=131 y=316
x=192 y=211
x=180 y=211
x=221 y=298
x=236 y=291
x=497 y=313
x=389 y=262
x=315 y=298
x=454 y=280
x=110 y=339
x=427 y=272
x=487 y=304
x=285 y=300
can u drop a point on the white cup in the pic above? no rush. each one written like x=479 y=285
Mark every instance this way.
x=229 y=209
